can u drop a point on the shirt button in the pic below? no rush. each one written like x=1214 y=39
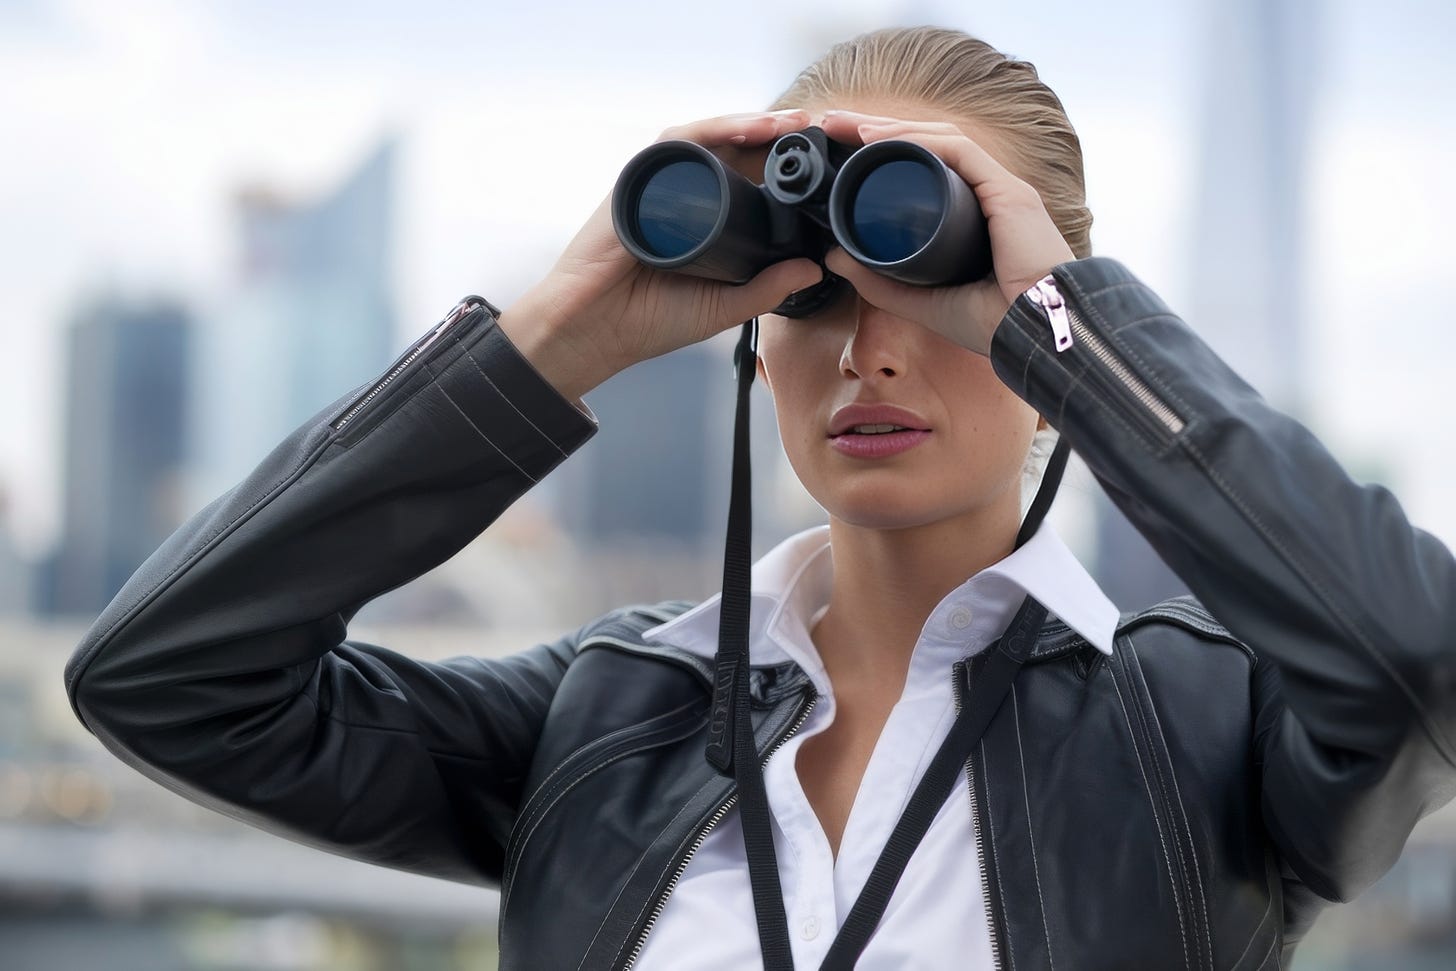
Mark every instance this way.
x=810 y=929
x=960 y=618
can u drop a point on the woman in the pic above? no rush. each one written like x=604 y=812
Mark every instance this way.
x=1182 y=787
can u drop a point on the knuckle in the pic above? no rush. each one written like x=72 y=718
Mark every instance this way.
x=1025 y=191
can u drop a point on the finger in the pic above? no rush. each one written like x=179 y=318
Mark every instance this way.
x=900 y=299
x=842 y=129
x=970 y=161
x=843 y=126
x=842 y=116
x=754 y=128
x=950 y=312
x=769 y=288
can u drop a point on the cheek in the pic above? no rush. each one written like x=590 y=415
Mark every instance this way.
x=999 y=421
x=799 y=382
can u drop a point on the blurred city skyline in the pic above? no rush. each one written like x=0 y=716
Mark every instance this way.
x=131 y=130
x=220 y=217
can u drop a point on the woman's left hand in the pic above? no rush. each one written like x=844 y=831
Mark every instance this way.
x=1025 y=243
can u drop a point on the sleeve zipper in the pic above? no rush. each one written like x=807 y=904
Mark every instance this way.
x=460 y=311
x=1066 y=322
x=1045 y=294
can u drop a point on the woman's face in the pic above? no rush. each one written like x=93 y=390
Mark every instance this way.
x=968 y=433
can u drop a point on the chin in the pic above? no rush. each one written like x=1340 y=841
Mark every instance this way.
x=884 y=505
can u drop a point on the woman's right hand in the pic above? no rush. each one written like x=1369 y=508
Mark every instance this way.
x=599 y=310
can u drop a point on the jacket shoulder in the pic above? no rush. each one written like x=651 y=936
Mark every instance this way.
x=1182 y=617
x=1186 y=614
x=623 y=629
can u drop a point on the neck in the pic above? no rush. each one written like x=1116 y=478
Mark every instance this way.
x=886 y=583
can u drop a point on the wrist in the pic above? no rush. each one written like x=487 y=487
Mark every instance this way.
x=544 y=338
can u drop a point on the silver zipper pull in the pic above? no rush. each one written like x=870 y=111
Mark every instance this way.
x=1045 y=293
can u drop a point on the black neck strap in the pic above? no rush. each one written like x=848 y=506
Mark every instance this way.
x=731 y=748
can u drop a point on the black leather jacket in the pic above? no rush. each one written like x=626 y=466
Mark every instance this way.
x=1190 y=801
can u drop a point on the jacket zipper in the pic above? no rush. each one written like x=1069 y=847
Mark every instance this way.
x=458 y=313
x=962 y=668
x=1067 y=324
x=702 y=834
x=584 y=762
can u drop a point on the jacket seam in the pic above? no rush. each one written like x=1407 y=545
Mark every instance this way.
x=665 y=652
x=626 y=883
x=1111 y=334
x=507 y=399
x=1152 y=804
x=363 y=726
x=388 y=404
x=649 y=900
x=1352 y=630
x=1155 y=768
x=602 y=741
x=1076 y=379
x=1030 y=836
x=557 y=797
x=478 y=430
x=1119 y=285
x=1267 y=954
x=1181 y=820
x=529 y=826
x=991 y=825
x=130 y=613
x=1268 y=909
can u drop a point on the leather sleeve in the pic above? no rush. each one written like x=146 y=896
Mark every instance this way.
x=1322 y=577
x=222 y=670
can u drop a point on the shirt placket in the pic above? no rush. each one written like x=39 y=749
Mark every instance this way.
x=807 y=869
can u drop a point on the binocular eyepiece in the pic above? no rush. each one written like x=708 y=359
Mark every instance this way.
x=893 y=205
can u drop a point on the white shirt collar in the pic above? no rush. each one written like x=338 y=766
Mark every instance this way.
x=790 y=587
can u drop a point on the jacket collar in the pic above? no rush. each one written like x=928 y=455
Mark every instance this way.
x=790 y=587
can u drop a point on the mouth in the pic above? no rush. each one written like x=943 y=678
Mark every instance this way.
x=876 y=431
x=865 y=419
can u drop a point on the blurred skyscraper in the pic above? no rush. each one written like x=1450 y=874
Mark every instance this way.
x=1261 y=74
x=1247 y=301
x=647 y=497
x=310 y=317
x=17 y=576
x=647 y=476
x=125 y=418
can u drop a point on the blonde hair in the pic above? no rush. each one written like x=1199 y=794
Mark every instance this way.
x=967 y=77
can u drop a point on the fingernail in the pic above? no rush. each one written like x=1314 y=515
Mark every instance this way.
x=738 y=139
x=787 y=111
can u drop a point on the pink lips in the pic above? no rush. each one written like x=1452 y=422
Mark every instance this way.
x=846 y=441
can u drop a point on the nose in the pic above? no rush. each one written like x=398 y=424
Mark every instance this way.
x=877 y=345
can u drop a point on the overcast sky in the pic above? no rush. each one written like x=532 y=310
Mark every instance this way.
x=127 y=126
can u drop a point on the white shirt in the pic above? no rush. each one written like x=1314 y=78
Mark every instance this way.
x=936 y=917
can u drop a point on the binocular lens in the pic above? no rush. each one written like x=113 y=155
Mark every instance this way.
x=896 y=210
x=677 y=208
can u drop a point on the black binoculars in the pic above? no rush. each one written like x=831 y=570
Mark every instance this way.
x=893 y=205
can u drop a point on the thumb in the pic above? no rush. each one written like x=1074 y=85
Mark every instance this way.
x=771 y=287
